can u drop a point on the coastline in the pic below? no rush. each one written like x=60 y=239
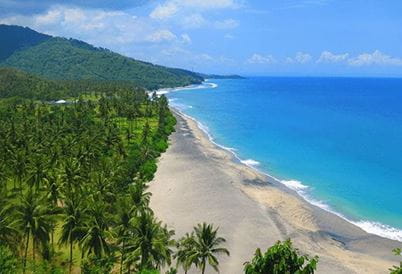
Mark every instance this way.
x=373 y=227
x=198 y=180
x=296 y=187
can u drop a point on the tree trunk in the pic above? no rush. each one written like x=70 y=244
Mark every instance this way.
x=33 y=249
x=71 y=256
x=203 y=267
x=26 y=252
x=122 y=257
x=52 y=235
x=33 y=252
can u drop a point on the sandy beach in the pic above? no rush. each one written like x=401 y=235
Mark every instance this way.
x=198 y=181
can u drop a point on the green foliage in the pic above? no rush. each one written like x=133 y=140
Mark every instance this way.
x=66 y=168
x=281 y=258
x=43 y=267
x=397 y=269
x=8 y=261
x=14 y=38
x=15 y=83
x=148 y=271
x=96 y=265
x=59 y=58
x=200 y=247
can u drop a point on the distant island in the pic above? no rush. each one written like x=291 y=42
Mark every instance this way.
x=216 y=76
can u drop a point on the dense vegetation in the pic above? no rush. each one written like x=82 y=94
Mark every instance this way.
x=73 y=182
x=70 y=59
x=14 y=83
x=281 y=258
x=15 y=38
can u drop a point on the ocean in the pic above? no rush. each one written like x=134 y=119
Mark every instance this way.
x=336 y=141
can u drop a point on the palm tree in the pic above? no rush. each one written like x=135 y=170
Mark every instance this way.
x=94 y=240
x=185 y=247
x=123 y=227
x=139 y=197
x=34 y=219
x=8 y=231
x=73 y=223
x=151 y=242
x=206 y=245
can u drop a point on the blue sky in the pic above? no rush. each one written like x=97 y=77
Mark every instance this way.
x=265 y=37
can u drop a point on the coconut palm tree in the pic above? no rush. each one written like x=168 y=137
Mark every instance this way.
x=8 y=232
x=73 y=224
x=123 y=227
x=34 y=219
x=140 y=197
x=206 y=246
x=185 y=247
x=151 y=243
x=95 y=238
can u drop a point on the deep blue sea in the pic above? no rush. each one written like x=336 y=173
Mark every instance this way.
x=336 y=141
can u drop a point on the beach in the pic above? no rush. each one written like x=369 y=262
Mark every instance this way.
x=197 y=181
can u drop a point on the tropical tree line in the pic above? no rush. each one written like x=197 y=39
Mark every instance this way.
x=73 y=184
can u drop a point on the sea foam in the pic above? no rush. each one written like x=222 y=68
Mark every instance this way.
x=250 y=162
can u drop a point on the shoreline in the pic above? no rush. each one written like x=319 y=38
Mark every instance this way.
x=270 y=210
x=373 y=227
x=293 y=186
x=297 y=188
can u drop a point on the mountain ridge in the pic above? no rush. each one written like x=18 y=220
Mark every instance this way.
x=71 y=59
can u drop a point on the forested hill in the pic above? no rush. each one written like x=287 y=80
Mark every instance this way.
x=60 y=58
x=13 y=38
x=19 y=84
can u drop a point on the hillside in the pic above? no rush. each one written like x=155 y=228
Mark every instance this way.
x=15 y=83
x=14 y=38
x=70 y=59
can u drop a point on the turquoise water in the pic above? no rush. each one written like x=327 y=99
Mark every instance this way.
x=336 y=141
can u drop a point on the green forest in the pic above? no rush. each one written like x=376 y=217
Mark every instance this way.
x=73 y=194
x=70 y=59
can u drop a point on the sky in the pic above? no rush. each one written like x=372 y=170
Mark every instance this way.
x=247 y=37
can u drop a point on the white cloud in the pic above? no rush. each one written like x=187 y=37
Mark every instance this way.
x=171 y=7
x=164 y=11
x=226 y=24
x=114 y=29
x=210 y=4
x=260 y=59
x=193 y=21
x=190 y=14
x=375 y=58
x=229 y=36
x=185 y=38
x=197 y=20
x=301 y=58
x=190 y=59
x=329 y=57
x=161 y=36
